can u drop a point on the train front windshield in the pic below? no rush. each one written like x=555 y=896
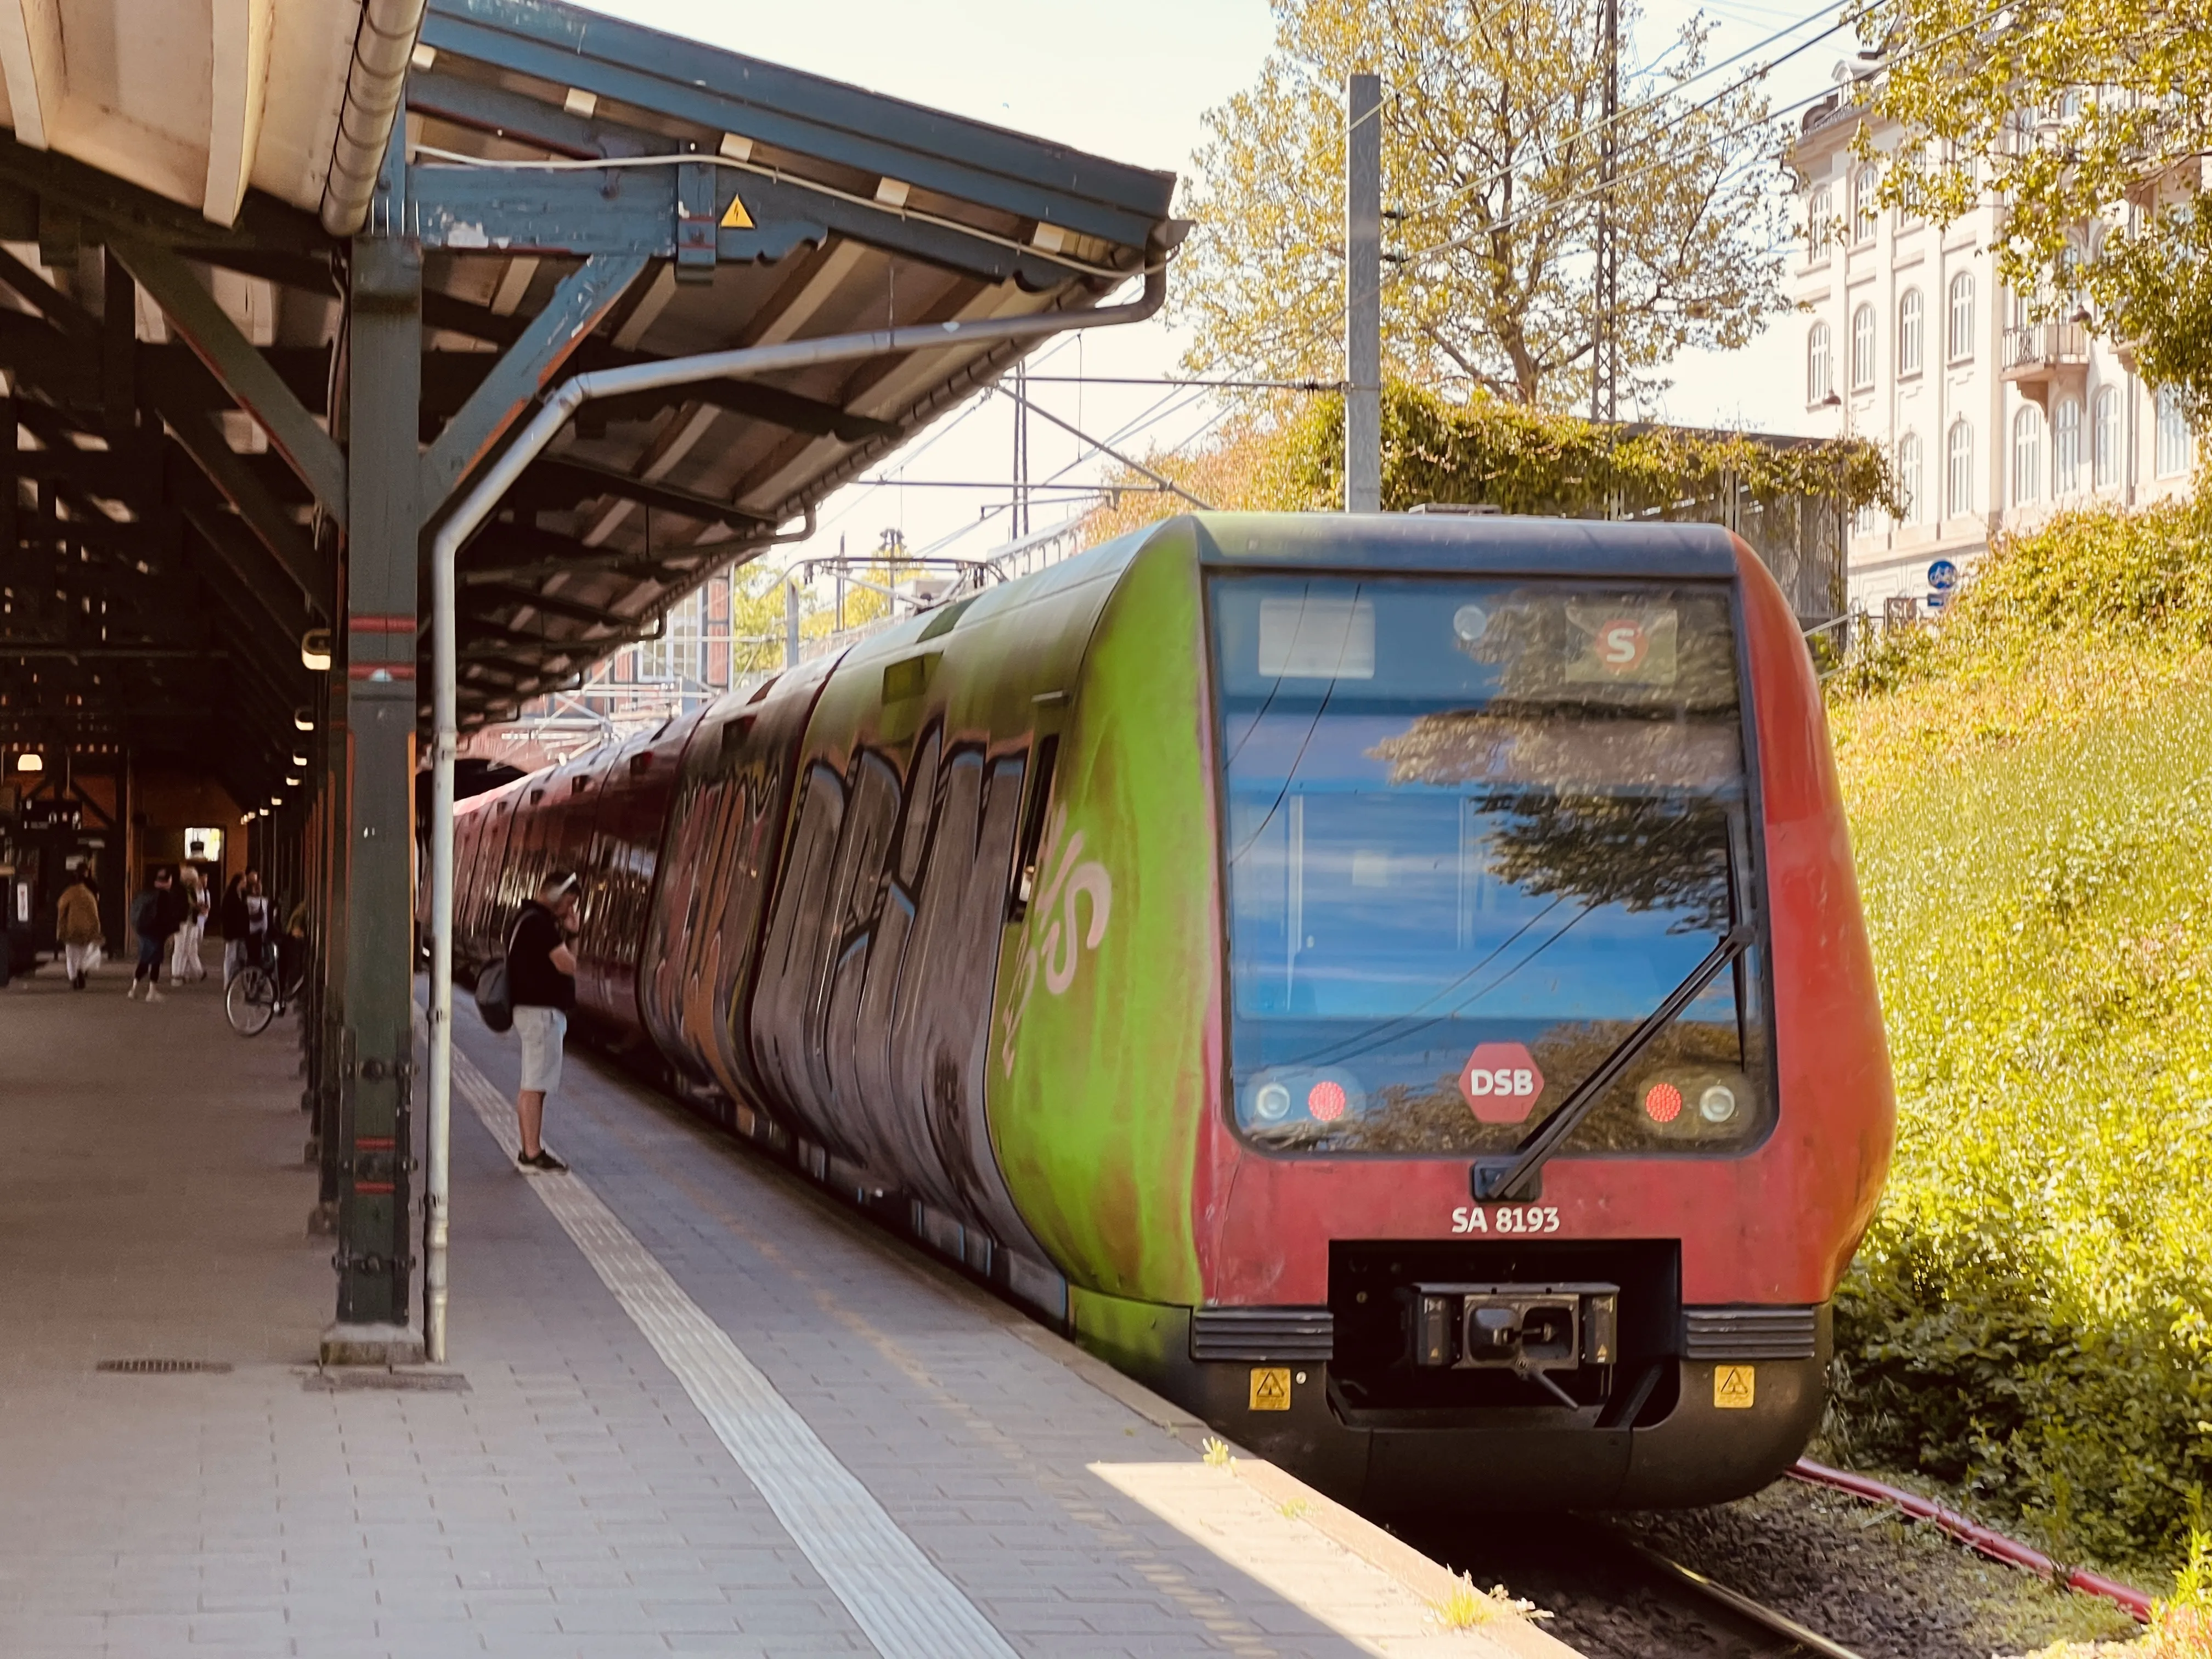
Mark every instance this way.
x=1475 y=832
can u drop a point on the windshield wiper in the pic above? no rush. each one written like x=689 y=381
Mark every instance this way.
x=1511 y=1180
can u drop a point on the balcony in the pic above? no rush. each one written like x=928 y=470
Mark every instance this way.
x=2038 y=356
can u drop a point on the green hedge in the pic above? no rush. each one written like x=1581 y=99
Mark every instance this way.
x=1486 y=451
x=2032 y=792
x=1286 y=454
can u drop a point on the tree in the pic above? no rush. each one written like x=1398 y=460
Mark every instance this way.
x=1491 y=163
x=2089 y=120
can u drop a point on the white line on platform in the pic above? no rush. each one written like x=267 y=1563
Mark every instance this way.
x=909 y=1609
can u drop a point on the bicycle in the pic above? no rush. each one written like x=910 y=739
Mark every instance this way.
x=254 y=998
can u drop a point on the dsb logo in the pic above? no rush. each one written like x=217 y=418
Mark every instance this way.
x=1500 y=1082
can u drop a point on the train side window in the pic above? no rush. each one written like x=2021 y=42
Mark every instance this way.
x=1025 y=864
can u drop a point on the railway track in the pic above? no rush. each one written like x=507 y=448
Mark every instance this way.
x=1784 y=1636
x=1611 y=1597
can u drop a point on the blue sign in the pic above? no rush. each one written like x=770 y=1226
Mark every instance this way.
x=1937 y=601
x=1942 y=575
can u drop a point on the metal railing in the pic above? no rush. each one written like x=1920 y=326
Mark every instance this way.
x=2041 y=345
x=1031 y=553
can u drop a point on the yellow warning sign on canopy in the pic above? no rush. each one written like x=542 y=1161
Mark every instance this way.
x=1735 y=1387
x=734 y=218
x=1271 y=1387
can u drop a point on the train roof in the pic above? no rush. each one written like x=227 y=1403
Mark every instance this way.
x=1468 y=543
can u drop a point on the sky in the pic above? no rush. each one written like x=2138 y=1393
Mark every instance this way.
x=1133 y=82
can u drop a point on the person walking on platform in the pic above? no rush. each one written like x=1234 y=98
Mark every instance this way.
x=260 y=915
x=541 y=976
x=155 y=915
x=245 y=925
x=230 y=916
x=185 y=953
x=76 y=924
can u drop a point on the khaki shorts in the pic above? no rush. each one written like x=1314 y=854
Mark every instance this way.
x=542 y=1031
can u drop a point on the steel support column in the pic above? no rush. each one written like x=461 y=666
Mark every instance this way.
x=376 y=1045
x=324 y=1016
x=1363 y=293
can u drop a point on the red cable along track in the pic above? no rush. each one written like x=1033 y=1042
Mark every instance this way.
x=1995 y=1544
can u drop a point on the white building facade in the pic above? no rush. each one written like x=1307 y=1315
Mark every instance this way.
x=1907 y=339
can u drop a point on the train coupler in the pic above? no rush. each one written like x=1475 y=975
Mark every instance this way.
x=1530 y=1330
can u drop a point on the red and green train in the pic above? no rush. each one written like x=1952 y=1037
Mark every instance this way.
x=1395 y=985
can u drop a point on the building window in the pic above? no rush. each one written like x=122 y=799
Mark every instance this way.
x=2079 y=252
x=675 y=654
x=2104 y=438
x=685 y=658
x=1958 y=341
x=1863 y=349
x=1820 y=224
x=2066 y=447
x=1912 y=202
x=1908 y=332
x=1959 y=470
x=1908 y=478
x=2173 y=436
x=1819 y=382
x=1865 y=215
x=2027 y=456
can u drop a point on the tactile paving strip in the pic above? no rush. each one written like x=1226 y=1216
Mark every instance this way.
x=909 y=1609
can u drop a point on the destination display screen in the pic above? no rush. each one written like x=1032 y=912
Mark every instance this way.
x=1475 y=833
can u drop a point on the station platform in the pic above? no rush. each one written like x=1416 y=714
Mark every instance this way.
x=693 y=1405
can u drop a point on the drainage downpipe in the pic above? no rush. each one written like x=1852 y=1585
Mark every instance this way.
x=444 y=556
x=382 y=48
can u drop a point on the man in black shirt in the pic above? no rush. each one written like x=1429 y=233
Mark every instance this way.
x=541 y=977
x=157 y=914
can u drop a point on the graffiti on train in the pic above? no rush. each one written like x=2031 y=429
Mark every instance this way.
x=728 y=822
x=871 y=1016
x=1056 y=936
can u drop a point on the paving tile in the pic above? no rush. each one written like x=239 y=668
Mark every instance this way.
x=574 y=1501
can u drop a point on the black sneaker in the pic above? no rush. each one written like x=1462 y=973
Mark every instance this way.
x=543 y=1160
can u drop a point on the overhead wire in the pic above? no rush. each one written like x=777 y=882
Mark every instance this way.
x=906 y=457
x=1553 y=205
x=1614 y=183
x=1597 y=128
x=1408 y=264
x=1177 y=397
x=1102 y=448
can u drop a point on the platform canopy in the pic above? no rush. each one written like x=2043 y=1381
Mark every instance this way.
x=196 y=100
x=191 y=249
x=812 y=208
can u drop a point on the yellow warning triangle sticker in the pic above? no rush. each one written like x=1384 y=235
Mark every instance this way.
x=734 y=218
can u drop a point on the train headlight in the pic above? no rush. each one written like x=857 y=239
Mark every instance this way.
x=1662 y=1102
x=1271 y=1102
x=1326 y=1100
x=1470 y=622
x=1717 y=1103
